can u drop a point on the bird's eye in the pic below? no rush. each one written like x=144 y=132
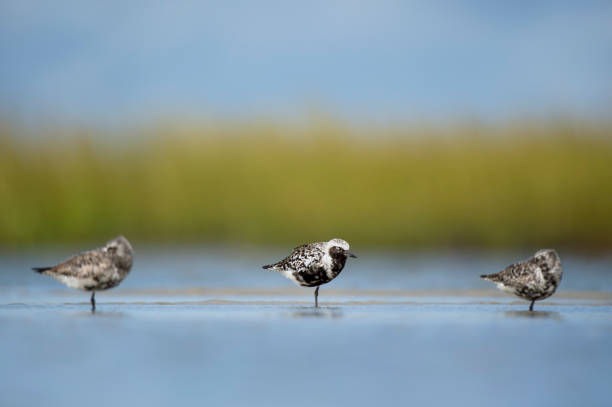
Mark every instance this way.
x=112 y=249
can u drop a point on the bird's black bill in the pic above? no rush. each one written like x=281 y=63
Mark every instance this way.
x=350 y=254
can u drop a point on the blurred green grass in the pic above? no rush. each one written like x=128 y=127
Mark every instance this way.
x=528 y=184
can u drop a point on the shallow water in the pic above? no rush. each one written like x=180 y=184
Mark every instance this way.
x=210 y=327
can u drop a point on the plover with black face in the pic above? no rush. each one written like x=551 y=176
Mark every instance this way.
x=314 y=264
x=94 y=270
x=533 y=279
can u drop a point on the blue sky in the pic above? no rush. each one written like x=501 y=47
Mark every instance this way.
x=109 y=62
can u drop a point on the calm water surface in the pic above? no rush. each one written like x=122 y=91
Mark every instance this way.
x=194 y=327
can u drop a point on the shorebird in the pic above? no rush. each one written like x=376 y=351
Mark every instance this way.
x=94 y=270
x=533 y=279
x=314 y=264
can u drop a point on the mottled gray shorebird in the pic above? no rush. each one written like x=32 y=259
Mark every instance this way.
x=533 y=279
x=94 y=270
x=314 y=264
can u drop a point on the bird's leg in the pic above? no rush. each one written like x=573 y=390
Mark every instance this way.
x=531 y=306
x=93 y=301
x=317 y=297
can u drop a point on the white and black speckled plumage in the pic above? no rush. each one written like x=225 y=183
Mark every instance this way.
x=533 y=279
x=314 y=264
x=94 y=270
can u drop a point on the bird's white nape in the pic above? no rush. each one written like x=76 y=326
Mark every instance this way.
x=338 y=242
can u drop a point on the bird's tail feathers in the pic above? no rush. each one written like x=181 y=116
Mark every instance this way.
x=490 y=277
x=269 y=267
x=41 y=269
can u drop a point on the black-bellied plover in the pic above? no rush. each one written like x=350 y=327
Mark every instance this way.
x=533 y=279
x=314 y=264
x=94 y=270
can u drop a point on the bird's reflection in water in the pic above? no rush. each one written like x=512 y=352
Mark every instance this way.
x=320 y=312
x=534 y=314
x=98 y=313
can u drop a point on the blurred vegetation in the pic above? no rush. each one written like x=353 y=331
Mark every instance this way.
x=468 y=185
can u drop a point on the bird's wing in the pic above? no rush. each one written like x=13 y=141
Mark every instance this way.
x=302 y=258
x=306 y=256
x=520 y=273
x=83 y=265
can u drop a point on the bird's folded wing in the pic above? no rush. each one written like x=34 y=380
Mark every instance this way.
x=519 y=273
x=83 y=265
x=307 y=257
